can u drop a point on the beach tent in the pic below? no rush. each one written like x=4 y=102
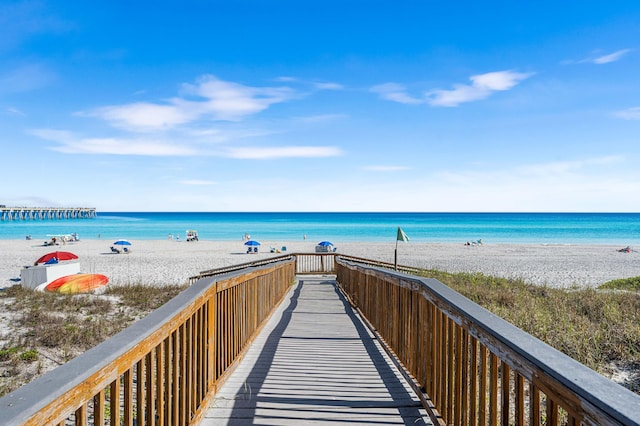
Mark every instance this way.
x=250 y=244
x=325 y=247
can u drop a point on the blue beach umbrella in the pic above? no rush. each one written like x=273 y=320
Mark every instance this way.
x=122 y=243
x=252 y=243
x=325 y=243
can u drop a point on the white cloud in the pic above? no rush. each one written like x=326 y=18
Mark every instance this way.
x=481 y=87
x=395 y=92
x=197 y=182
x=232 y=101
x=601 y=59
x=328 y=86
x=611 y=57
x=71 y=144
x=386 y=168
x=144 y=116
x=628 y=114
x=286 y=79
x=209 y=98
x=265 y=153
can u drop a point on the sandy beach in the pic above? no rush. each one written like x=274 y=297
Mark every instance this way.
x=172 y=262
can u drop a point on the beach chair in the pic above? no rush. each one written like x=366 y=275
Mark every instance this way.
x=284 y=248
x=126 y=250
x=115 y=250
x=255 y=249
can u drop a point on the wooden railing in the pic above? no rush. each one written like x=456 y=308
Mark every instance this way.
x=468 y=366
x=471 y=367
x=165 y=368
x=315 y=263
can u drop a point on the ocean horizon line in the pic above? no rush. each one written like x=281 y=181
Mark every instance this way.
x=516 y=227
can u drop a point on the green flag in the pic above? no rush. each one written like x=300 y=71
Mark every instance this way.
x=401 y=235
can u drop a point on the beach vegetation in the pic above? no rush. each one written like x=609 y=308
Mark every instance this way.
x=64 y=326
x=628 y=284
x=597 y=328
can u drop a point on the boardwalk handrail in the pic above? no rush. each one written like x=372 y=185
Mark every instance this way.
x=474 y=367
x=165 y=368
x=238 y=267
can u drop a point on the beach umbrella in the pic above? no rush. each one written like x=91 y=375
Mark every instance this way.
x=60 y=255
x=252 y=243
x=122 y=243
x=325 y=243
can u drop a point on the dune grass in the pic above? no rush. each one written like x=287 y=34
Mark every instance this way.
x=48 y=329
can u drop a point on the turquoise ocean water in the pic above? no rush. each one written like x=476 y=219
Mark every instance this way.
x=550 y=228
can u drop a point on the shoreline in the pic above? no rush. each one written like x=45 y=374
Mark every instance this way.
x=157 y=262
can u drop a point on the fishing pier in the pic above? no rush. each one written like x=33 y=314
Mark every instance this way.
x=321 y=338
x=42 y=213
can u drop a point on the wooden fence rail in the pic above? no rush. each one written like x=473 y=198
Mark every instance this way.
x=470 y=367
x=165 y=368
x=473 y=368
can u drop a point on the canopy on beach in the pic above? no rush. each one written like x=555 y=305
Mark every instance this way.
x=59 y=255
x=122 y=243
x=252 y=243
x=325 y=243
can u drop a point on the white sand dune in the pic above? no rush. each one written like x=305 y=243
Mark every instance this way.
x=171 y=262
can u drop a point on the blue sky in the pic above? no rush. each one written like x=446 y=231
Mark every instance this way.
x=321 y=106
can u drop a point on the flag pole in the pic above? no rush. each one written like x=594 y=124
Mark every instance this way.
x=395 y=257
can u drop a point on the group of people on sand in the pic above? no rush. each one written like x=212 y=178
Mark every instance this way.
x=627 y=249
x=474 y=243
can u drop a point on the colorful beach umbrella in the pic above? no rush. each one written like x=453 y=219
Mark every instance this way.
x=60 y=255
x=122 y=243
x=252 y=243
x=325 y=243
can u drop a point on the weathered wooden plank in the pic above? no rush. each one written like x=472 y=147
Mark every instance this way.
x=316 y=362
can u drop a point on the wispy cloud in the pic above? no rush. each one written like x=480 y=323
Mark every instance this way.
x=611 y=57
x=25 y=78
x=197 y=182
x=628 y=114
x=599 y=59
x=14 y=112
x=267 y=153
x=386 y=168
x=396 y=93
x=481 y=87
x=328 y=86
x=209 y=98
x=69 y=143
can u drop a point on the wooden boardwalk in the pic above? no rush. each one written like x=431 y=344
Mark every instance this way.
x=315 y=363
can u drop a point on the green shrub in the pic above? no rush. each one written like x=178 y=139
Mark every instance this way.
x=29 y=356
